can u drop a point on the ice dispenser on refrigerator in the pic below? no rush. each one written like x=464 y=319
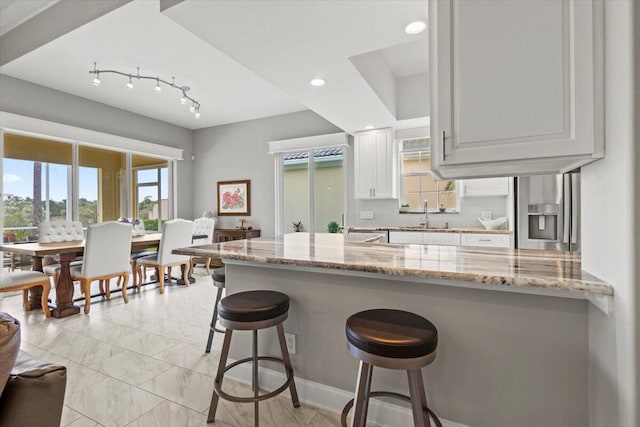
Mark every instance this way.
x=547 y=212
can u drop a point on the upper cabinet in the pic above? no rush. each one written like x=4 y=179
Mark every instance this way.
x=374 y=164
x=516 y=86
x=485 y=187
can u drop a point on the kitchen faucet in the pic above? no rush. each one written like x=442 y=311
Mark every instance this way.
x=425 y=220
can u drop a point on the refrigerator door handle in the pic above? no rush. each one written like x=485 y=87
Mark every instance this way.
x=566 y=217
x=575 y=191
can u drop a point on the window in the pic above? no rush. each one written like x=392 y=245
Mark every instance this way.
x=151 y=190
x=101 y=185
x=313 y=189
x=36 y=178
x=43 y=182
x=418 y=184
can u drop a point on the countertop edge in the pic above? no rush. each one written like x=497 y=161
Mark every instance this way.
x=522 y=281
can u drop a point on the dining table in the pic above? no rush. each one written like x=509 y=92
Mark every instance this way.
x=65 y=252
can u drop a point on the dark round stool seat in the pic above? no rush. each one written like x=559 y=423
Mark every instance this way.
x=253 y=306
x=218 y=275
x=392 y=333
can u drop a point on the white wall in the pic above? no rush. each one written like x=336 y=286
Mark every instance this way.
x=28 y=99
x=611 y=241
x=240 y=151
x=408 y=105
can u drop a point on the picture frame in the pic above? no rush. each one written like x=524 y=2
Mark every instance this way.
x=234 y=198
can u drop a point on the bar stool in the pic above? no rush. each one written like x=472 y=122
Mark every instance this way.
x=252 y=311
x=391 y=339
x=218 y=277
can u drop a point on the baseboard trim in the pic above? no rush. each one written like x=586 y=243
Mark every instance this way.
x=329 y=398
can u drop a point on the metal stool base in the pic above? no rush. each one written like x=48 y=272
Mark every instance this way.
x=226 y=396
x=256 y=398
x=212 y=326
x=349 y=405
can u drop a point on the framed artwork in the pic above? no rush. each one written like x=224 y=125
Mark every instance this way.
x=234 y=198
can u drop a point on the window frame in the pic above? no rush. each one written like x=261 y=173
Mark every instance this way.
x=311 y=165
x=401 y=175
x=73 y=183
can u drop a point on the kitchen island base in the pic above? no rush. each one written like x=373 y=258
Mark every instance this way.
x=504 y=359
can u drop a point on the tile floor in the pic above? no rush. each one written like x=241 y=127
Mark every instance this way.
x=143 y=363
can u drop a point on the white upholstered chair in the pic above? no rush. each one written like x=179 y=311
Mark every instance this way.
x=23 y=281
x=57 y=232
x=203 y=227
x=106 y=256
x=175 y=234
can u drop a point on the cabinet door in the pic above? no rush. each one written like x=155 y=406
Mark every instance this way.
x=374 y=165
x=486 y=240
x=515 y=81
x=384 y=177
x=406 y=237
x=485 y=187
x=364 y=164
x=445 y=239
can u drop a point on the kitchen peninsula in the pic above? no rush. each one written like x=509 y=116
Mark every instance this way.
x=499 y=350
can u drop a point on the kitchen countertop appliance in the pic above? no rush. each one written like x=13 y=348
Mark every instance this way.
x=547 y=212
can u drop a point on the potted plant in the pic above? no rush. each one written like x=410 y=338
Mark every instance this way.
x=404 y=207
x=333 y=227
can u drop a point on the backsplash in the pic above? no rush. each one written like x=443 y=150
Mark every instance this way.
x=386 y=212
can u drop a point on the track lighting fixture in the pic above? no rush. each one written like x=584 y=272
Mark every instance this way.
x=195 y=105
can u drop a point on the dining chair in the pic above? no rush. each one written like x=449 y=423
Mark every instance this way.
x=57 y=232
x=203 y=227
x=175 y=234
x=23 y=281
x=106 y=256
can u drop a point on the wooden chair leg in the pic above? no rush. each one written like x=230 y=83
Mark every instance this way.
x=207 y=265
x=101 y=286
x=134 y=271
x=108 y=288
x=161 y=278
x=25 y=300
x=185 y=273
x=140 y=276
x=85 y=285
x=44 y=301
x=125 y=280
x=169 y=273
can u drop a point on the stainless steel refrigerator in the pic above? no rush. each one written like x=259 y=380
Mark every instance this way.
x=547 y=212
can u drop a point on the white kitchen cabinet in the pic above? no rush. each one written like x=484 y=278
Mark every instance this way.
x=516 y=87
x=486 y=240
x=485 y=187
x=413 y=237
x=374 y=165
x=447 y=239
x=425 y=238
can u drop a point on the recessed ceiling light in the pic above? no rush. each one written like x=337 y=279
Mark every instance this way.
x=415 y=27
x=318 y=82
x=369 y=127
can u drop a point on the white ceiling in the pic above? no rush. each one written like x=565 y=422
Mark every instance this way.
x=137 y=34
x=408 y=59
x=242 y=59
x=16 y=12
x=289 y=43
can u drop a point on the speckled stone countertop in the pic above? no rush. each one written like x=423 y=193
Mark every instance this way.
x=477 y=266
x=429 y=230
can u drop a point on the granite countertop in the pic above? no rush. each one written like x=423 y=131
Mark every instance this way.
x=476 y=266
x=429 y=230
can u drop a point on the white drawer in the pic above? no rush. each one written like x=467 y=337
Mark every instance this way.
x=405 y=237
x=450 y=239
x=486 y=240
